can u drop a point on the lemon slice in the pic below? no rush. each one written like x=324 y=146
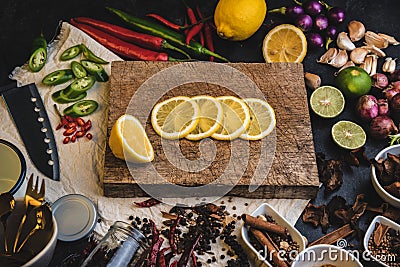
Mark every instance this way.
x=210 y=117
x=175 y=118
x=262 y=119
x=285 y=43
x=349 y=135
x=236 y=118
x=327 y=101
x=129 y=141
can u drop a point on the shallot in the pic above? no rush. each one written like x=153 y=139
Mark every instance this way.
x=381 y=127
x=367 y=107
x=379 y=81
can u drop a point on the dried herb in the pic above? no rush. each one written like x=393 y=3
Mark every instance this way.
x=357 y=157
x=336 y=203
x=330 y=173
x=352 y=214
x=388 y=173
x=148 y=203
x=316 y=215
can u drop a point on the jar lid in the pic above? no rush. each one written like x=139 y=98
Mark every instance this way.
x=76 y=217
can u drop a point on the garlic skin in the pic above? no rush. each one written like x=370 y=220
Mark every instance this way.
x=356 y=30
x=391 y=40
x=389 y=65
x=374 y=50
x=372 y=38
x=328 y=56
x=358 y=55
x=313 y=81
x=343 y=42
x=340 y=59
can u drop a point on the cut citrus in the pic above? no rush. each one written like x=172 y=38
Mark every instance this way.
x=262 y=119
x=327 y=101
x=236 y=118
x=284 y=43
x=129 y=141
x=349 y=135
x=210 y=117
x=175 y=118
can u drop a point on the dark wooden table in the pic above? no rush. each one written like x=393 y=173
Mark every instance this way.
x=22 y=20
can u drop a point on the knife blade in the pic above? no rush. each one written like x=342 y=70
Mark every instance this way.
x=27 y=110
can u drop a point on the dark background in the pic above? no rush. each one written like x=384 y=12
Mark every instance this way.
x=23 y=20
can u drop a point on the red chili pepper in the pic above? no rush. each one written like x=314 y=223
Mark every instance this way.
x=207 y=33
x=193 y=32
x=161 y=258
x=121 y=47
x=188 y=251
x=172 y=235
x=154 y=231
x=154 y=252
x=194 y=259
x=201 y=38
x=148 y=203
x=165 y=22
x=191 y=15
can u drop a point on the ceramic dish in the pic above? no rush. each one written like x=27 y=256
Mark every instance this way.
x=12 y=167
x=378 y=187
x=370 y=230
x=265 y=209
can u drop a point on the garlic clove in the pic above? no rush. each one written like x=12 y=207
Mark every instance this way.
x=343 y=42
x=389 y=65
x=358 y=55
x=372 y=38
x=391 y=40
x=340 y=59
x=356 y=30
x=374 y=66
x=348 y=64
x=329 y=55
x=313 y=81
x=367 y=65
x=374 y=50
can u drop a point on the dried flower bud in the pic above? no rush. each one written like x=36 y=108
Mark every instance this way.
x=372 y=38
x=343 y=42
x=313 y=81
x=356 y=30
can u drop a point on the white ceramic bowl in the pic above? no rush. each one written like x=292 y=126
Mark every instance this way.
x=378 y=187
x=265 y=209
x=370 y=230
x=320 y=255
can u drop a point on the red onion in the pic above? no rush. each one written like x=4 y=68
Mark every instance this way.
x=395 y=85
x=379 y=81
x=367 y=107
x=390 y=92
x=381 y=127
x=383 y=107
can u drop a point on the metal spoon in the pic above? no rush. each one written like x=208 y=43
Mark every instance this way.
x=7 y=205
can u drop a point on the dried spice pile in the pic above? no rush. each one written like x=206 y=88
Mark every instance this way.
x=384 y=244
x=388 y=173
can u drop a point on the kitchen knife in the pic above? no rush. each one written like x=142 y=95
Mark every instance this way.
x=30 y=117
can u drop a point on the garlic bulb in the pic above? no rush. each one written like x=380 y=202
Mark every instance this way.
x=343 y=42
x=356 y=30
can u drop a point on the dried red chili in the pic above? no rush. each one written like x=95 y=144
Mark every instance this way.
x=183 y=261
x=148 y=203
x=154 y=252
x=172 y=234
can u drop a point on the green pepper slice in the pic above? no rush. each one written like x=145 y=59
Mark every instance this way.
x=71 y=52
x=39 y=54
x=79 y=86
x=81 y=108
x=91 y=56
x=60 y=98
x=78 y=70
x=96 y=70
x=58 y=77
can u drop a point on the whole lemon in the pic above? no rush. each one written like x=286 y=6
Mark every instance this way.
x=237 y=20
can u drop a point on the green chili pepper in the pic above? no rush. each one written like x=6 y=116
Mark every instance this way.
x=71 y=52
x=96 y=70
x=81 y=108
x=59 y=97
x=163 y=32
x=39 y=54
x=58 y=77
x=91 y=56
x=79 y=86
x=78 y=70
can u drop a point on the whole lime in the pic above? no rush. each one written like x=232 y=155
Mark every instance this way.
x=353 y=82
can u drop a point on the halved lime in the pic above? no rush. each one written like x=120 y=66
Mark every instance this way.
x=348 y=135
x=327 y=101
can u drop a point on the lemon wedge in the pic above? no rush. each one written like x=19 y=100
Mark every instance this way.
x=128 y=140
x=236 y=118
x=175 y=118
x=262 y=119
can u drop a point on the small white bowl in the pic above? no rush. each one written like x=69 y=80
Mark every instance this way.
x=370 y=230
x=378 y=187
x=324 y=254
x=265 y=210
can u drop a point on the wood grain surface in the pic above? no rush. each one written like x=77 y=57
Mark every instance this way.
x=283 y=165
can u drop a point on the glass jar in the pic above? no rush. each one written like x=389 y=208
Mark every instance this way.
x=120 y=247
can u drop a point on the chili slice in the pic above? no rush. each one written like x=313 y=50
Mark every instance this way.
x=58 y=77
x=91 y=56
x=96 y=70
x=79 y=86
x=71 y=52
x=60 y=98
x=78 y=70
x=38 y=57
x=81 y=108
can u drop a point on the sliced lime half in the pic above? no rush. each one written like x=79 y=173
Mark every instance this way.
x=348 y=135
x=327 y=101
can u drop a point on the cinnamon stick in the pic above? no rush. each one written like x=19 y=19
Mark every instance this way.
x=264 y=225
x=334 y=236
x=271 y=247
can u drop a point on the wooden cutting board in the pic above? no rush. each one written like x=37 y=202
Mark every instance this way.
x=290 y=172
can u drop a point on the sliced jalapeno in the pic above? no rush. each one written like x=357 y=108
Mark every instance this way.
x=71 y=52
x=59 y=97
x=58 y=77
x=96 y=70
x=91 y=56
x=81 y=108
x=39 y=54
x=79 y=86
x=78 y=70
